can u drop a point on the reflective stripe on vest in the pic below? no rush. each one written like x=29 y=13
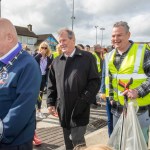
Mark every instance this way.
x=107 y=57
x=137 y=62
x=128 y=76
x=97 y=62
x=132 y=66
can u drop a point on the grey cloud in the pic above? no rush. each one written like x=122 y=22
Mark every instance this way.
x=50 y=15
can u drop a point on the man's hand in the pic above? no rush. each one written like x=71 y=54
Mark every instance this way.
x=131 y=93
x=52 y=111
x=103 y=96
x=111 y=102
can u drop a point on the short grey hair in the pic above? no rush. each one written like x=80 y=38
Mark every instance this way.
x=71 y=34
x=123 y=24
x=97 y=46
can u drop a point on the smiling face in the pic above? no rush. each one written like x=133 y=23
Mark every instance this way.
x=120 y=38
x=67 y=44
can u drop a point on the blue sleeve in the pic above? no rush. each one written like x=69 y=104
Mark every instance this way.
x=23 y=107
x=102 y=88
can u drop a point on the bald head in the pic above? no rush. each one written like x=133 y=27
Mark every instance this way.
x=8 y=36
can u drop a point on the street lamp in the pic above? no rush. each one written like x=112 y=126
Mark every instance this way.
x=73 y=17
x=102 y=29
x=96 y=33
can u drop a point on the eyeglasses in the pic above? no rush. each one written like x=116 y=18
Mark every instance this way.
x=43 y=47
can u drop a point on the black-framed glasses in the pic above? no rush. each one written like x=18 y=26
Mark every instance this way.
x=43 y=47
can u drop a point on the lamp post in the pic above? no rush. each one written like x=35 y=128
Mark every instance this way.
x=96 y=33
x=102 y=29
x=73 y=17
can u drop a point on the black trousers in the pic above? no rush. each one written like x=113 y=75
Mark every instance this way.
x=43 y=84
x=74 y=137
x=25 y=146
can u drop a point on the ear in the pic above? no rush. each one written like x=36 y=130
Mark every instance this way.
x=129 y=34
x=73 y=40
x=10 y=37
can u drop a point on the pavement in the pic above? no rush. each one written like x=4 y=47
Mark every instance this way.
x=50 y=131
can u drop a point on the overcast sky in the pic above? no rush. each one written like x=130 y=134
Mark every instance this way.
x=48 y=16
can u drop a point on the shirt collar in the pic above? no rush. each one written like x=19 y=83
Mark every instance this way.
x=11 y=54
x=75 y=52
x=71 y=55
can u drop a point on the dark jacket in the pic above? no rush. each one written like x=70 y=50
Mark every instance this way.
x=49 y=61
x=72 y=87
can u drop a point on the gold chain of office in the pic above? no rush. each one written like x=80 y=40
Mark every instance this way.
x=10 y=63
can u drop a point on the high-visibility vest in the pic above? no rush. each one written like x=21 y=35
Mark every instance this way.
x=131 y=67
x=148 y=46
x=98 y=62
x=107 y=78
x=55 y=54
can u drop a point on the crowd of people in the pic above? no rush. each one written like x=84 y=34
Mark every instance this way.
x=74 y=76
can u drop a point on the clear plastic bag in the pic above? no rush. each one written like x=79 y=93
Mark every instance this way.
x=127 y=134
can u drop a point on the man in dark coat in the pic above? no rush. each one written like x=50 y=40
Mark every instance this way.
x=72 y=87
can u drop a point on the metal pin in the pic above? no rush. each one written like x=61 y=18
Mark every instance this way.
x=10 y=63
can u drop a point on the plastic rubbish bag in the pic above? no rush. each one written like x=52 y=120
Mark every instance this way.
x=127 y=134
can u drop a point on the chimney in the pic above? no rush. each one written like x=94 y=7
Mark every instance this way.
x=29 y=27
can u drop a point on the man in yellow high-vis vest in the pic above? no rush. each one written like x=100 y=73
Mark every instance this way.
x=58 y=51
x=97 y=54
x=99 y=61
x=128 y=60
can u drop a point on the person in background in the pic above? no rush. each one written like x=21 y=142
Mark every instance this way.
x=93 y=147
x=128 y=60
x=104 y=51
x=98 y=54
x=71 y=88
x=108 y=105
x=98 y=147
x=26 y=48
x=80 y=46
x=87 y=48
x=19 y=88
x=44 y=61
x=35 y=52
x=58 y=51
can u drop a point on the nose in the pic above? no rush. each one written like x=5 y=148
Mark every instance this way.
x=114 y=38
x=61 y=43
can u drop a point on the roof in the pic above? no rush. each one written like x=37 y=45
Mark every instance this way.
x=44 y=37
x=25 y=31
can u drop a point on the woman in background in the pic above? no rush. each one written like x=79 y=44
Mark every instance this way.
x=44 y=61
